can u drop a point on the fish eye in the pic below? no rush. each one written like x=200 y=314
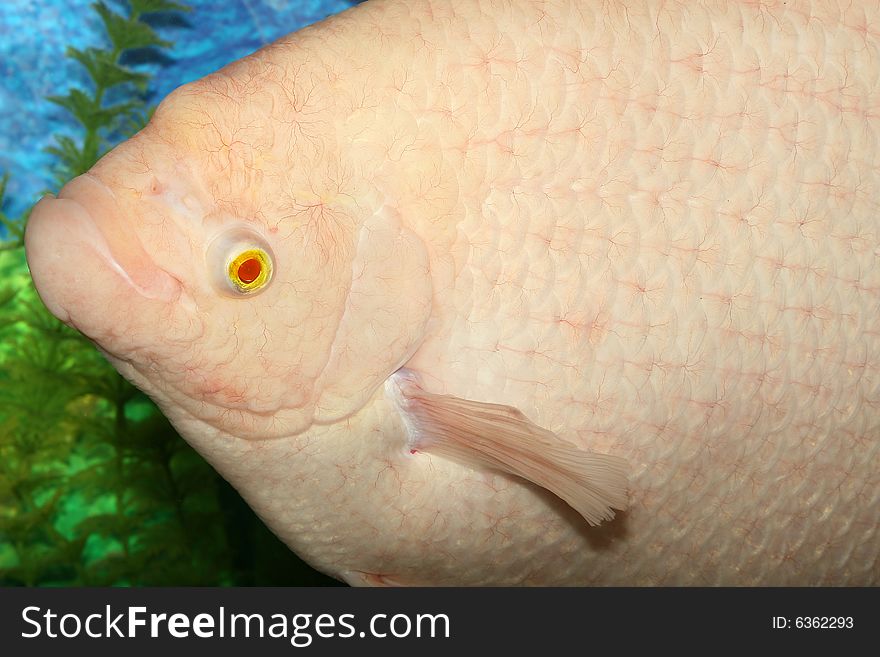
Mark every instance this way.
x=240 y=262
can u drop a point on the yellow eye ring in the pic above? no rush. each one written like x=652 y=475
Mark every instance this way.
x=250 y=270
x=240 y=262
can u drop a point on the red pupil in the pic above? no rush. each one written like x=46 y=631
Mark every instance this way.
x=249 y=270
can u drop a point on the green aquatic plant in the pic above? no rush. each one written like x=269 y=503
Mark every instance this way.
x=99 y=119
x=96 y=487
x=14 y=228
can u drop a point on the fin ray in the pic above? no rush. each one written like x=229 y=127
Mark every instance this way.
x=503 y=438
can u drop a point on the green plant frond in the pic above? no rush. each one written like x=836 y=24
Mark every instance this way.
x=72 y=159
x=126 y=33
x=7 y=296
x=152 y=6
x=134 y=121
x=91 y=481
x=42 y=482
x=114 y=115
x=104 y=71
x=67 y=149
x=104 y=524
x=14 y=228
x=82 y=106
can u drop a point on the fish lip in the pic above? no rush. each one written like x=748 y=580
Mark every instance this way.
x=84 y=219
x=76 y=219
x=41 y=253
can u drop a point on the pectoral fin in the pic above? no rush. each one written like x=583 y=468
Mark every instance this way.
x=501 y=437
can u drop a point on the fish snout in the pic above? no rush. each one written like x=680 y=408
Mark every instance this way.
x=43 y=243
x=83 y=255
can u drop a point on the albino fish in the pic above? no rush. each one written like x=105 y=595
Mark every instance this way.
x=514 y=292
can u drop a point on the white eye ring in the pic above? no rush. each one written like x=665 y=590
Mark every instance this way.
x=240 y=262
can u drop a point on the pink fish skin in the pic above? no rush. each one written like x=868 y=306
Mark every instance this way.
x=649 y=231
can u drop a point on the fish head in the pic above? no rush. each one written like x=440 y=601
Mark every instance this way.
x=233 y=270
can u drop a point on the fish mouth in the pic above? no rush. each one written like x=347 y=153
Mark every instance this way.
x=82 y=252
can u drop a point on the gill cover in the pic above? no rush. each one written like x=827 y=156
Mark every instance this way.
x=240 y=262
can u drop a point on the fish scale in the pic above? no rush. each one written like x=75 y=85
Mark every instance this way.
x=800 y=367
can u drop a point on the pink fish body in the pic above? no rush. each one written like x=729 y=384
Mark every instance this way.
x=514 y=292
